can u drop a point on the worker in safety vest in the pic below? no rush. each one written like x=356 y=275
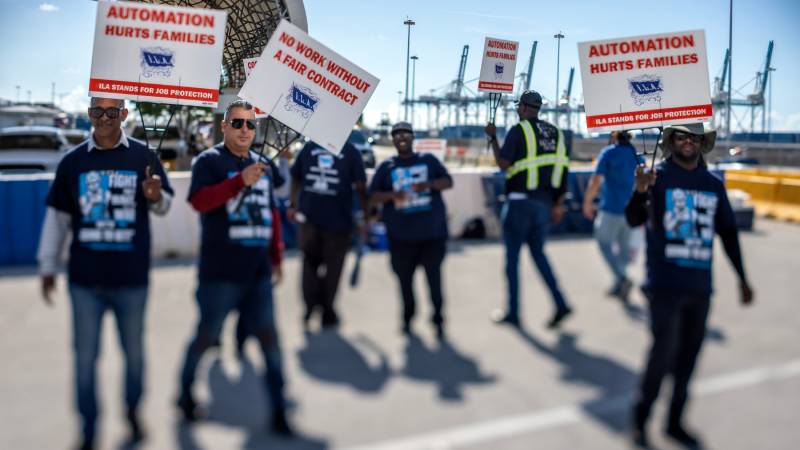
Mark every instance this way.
x=534 y=158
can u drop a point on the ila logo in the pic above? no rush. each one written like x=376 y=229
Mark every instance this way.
x=157 y=61
x=302 y=101
x=499 y=69
x=645 y=88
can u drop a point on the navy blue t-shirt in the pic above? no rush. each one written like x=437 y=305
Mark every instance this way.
x=102 y=191
x=422 y=215
x=234 y=244
x=617 y=164
x=326 y=185
x=688 y=209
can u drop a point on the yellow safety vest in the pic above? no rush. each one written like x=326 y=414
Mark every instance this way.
x=533 y=161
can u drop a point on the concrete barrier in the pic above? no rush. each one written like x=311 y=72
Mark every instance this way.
x=774 y=193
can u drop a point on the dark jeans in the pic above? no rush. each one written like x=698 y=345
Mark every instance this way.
x=254 y=301
x=405 y=257
x=678 y=325
x=89 y=303
x=527 y=221
x=323 y=258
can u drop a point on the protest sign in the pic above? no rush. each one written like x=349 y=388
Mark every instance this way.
x=158 y=54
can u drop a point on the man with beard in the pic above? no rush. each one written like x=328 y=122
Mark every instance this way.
x=683 y=205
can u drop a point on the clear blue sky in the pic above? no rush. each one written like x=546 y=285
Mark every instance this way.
x=45 y=41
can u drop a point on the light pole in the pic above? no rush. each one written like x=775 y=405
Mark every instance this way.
x=413 y=84
x=399 y=101
x=18 y=87
x=409 y=23
x=730 y=70
x=769 y=114
x=559 y=36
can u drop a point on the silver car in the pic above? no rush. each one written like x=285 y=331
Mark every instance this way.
x=31 y=149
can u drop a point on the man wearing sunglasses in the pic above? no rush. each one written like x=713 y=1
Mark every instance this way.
x=104 y=190
x=240 y=254
x=683 y=206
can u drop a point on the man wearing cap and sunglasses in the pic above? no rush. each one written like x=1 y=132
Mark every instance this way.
x=534 y=157
x=240 y=254
x=409 y=188
x=104 y=190
x=683 y=206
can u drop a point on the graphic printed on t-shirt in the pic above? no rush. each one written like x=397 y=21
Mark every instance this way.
x=324 y=177
x=689 y=227
x=251 y=225
x=108 y=209
x=403 y=178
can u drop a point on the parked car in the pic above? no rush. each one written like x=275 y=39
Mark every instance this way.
x=364 y=146
x=172 y=139
x=75 y=136
x=31 y=149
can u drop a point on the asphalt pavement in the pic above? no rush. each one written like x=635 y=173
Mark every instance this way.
x=366 y=386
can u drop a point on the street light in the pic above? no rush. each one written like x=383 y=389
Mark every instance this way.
x=559 y=36
x=413 y=83
x=18 y=87
x=399 y=101
x=409 y=23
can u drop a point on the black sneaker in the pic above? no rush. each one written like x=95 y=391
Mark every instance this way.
x=683 y=437
x=440 y=331
x=279 y=425
x=330 y=320
x=559 y=317
x=624 y=291
x=638 y=432
x=86 y=444
x=189 y=408
x=502 y=318
x=137 y=432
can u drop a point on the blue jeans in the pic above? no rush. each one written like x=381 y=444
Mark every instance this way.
x=613 y=236
x=254 y=301
x=89 y=303
x=527 y=221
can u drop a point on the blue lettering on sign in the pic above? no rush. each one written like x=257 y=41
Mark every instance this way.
x=157 y=61
x=645 y=88
x=301 y=100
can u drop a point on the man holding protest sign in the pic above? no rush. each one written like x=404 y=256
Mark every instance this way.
x=321 y=200
x=534 y=157
x=683 y=205
x=409 y=188
x=240 y=254
x=104 y=189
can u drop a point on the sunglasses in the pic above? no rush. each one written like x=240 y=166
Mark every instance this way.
x=237 y=124
x=684 y=136
x=97 y=112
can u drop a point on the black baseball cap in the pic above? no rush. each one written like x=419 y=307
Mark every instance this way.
x=530 y=98
x=402 y=126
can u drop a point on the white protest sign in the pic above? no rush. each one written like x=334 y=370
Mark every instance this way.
x=249 y=64
x=159 y=54
x=436 y=147
x=309 y=87
x=498 y=66
x=645 y=81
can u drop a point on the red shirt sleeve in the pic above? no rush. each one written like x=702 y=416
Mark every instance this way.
x=276 y=246
x=212 y=197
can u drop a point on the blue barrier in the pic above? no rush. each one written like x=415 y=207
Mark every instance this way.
x=22 y=207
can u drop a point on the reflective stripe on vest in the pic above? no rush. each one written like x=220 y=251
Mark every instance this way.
x=532 y=162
